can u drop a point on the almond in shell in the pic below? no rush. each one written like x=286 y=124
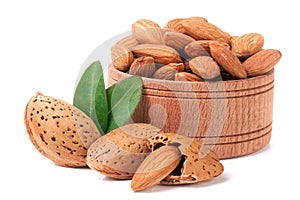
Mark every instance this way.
x=183 y=142
x=119 y=153
x=198 y=163
x=157 y=165
x=59 y=131
x=262 y=62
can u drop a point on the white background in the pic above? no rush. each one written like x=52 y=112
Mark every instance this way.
x=43 y=46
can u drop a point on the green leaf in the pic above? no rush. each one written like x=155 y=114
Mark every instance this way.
x=122 y=99
x=90 y=96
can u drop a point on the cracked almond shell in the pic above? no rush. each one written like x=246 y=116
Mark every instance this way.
x=119 y=153
x=198 y=163
x=59 y=131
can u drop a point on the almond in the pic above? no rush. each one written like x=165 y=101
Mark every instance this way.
x=205 y=67
x=262 y=62
x=59 y=131
x=186 y=76
x=119 y=153
x=201 y=30
x=147 y=32
x=121 y=57
x=161 y=54
x=195 y=168
x=228 y=61
x=196 y=18
x=179 y=67
x=159 y=164
x=247 y=45
x=143 y=66
x=184 y=143
x=194 y=49
x=202 y=47
x=165 y=73
x=128 y=42
x=176 y=25
x=177 y=40
x=198 y=162
x=232 y=37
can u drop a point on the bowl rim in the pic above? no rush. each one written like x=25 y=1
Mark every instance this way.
x=266 y=79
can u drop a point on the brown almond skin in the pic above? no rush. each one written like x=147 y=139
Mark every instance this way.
x=201 y=30
x=59 y=131
x=228 y=61
x=194 y=49
x=122 y=57
x=202 y=47
x=161 y=54
x=156 y=166
x=205 y=67
x=128 y=42
x=262 y=62
x=177 y=66
x=186 y=76
x=176 y=25
x=195 y=18
x=143 y=66
x=177 y=40
x=247 y=45
x=165 y=73
x=147 y=32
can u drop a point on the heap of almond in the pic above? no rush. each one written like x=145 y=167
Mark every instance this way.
x=141 y=152
x=191 y=49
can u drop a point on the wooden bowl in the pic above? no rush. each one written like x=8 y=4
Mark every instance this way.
x=232 y=117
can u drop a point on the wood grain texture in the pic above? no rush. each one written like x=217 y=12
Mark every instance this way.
x=233 y=117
